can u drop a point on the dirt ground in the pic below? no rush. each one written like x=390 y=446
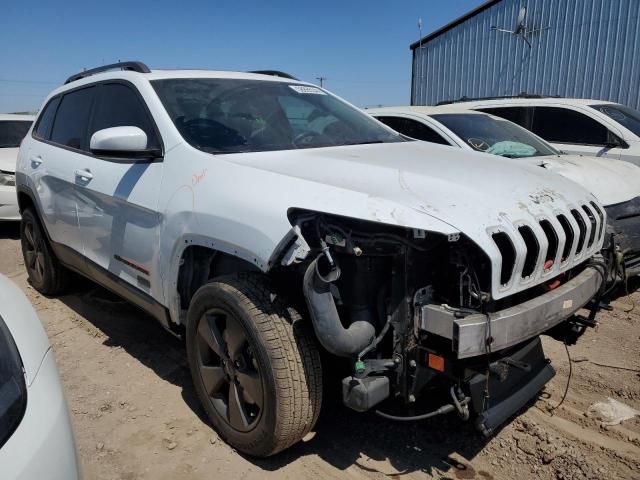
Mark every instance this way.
x=136 y=415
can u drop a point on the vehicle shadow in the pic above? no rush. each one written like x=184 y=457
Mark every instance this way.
x=342 y=438
x=10 y=230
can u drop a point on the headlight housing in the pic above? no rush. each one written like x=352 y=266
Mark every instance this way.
x=13 y=388
x=7 y=179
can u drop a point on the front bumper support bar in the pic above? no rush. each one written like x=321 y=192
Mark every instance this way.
x=512 y=325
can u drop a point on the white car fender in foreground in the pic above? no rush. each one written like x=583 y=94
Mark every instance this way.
x=42 y=446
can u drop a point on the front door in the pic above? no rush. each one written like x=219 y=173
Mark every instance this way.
x=118 y=199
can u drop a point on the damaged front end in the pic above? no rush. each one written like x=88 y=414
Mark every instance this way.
x=622 y=245
x=411 y=311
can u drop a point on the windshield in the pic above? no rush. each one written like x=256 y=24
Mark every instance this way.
x=222 y=115
x=493 y=135
x=625 y=116
x=12 y=132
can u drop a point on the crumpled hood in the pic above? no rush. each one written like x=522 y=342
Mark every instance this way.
x=440 y=189
x=611 y=181
x=469 y=191
x=8 y=158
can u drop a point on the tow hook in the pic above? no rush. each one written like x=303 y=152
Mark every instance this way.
x=461 y=402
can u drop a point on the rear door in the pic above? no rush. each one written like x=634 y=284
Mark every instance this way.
x=119 y=196
x=59 y=146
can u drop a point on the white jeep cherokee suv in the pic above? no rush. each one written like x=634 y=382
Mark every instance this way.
x=271 y=222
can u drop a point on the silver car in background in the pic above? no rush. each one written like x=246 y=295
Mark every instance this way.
x=13 y=128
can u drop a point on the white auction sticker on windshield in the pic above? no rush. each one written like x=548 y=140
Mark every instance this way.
x=306 y=89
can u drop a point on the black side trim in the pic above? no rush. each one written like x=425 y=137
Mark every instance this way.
x=87 y=268
x=132 y=264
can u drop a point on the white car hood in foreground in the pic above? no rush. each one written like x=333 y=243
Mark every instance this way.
x=8 y=158
x=474 y=193
x=611 y=181
x=24 y=325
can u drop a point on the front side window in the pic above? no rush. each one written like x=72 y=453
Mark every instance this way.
x=625 y=116
x=70 y=124
x=414 y=129
x=222 y=115
x=12 y=132
x=562 y=125
x=120 y=106
x=13 y=390
x=492 y=135
x=517 y=115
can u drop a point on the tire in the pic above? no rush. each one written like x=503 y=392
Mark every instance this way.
x=278 y=350
x=45 y=272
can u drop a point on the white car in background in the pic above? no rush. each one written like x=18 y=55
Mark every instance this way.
x=13 y=129
x=582 y=126
x=615 y=184
x=36 y=439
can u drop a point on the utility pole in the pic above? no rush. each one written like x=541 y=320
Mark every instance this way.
x=321 y=79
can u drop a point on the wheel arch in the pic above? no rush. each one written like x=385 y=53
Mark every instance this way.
x=199 y=260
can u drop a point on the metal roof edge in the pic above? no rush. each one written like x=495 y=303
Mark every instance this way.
x=454 y=23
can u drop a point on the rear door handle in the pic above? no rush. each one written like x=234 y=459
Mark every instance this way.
x=36 y=161
x=85 y=175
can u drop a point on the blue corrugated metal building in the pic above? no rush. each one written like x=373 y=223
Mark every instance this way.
x=571 y=48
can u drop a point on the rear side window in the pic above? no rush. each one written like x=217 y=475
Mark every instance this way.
x=413 y=129
x=12 y=132
x=513 y=114
x=562 y=125
x=43 y=127
x=13 y=390
x=120 y=106
x=70 y=125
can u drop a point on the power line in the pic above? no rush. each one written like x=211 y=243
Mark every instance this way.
x=35 y=82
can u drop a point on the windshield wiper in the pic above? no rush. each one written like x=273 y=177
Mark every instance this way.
x=362 y=143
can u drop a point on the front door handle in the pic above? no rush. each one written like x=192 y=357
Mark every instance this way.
x=85 y=175
x=36 y=161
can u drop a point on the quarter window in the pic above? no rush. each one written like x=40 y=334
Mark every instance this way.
x=120 y=106
x=562 y=125
x=70 y=125
x=43 y=127
x=413 y=129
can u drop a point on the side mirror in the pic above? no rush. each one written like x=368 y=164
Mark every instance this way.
x=121 y=142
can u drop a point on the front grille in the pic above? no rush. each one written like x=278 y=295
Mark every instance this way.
x=532 y=251
x=552 y=239
x=582 y=230
x=508 y=253
x=568 y=234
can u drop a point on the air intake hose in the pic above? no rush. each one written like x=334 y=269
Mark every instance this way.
x=343 y=342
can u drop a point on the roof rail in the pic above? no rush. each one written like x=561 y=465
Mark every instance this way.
x=473 y=99
x=131 y=66
x=274 y=73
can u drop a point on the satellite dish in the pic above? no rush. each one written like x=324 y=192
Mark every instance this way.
x=520 y=29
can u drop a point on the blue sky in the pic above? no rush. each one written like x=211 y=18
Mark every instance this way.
x=360 y=46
